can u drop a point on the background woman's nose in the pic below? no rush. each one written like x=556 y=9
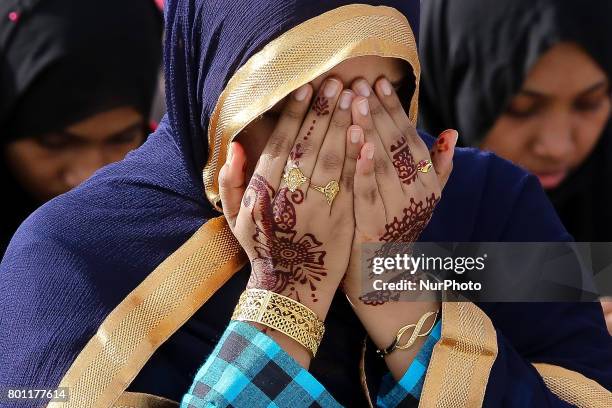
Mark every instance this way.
x=83 y=166
x=555 y=140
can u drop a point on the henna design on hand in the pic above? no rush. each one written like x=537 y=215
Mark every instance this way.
x=321 y=106
x=283 y=260
x=397 y=233
x=403 y=161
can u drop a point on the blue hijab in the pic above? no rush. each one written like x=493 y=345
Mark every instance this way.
x=73 y=260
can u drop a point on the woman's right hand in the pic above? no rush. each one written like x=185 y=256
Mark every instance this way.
x=298 y=245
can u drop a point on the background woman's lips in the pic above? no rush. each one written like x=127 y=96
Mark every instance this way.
x=551 y=180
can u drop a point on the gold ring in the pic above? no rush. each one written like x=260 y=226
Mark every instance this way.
x=424 y=166
x=330 y=191
x=294 y=178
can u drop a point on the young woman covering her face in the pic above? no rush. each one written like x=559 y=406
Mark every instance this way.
x=77 y=81
x=155 y=271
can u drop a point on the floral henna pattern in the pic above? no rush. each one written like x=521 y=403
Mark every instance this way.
x=398 y=233
x=403 y=161
x=414 y=220
x=321 y=106
x=297 y=152
x=283 y=260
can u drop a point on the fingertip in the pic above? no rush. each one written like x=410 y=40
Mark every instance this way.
x=355 y=135
x=452 y=135
x=384 y=88
x=361 y=107
x=303 y=93
x=365 y=162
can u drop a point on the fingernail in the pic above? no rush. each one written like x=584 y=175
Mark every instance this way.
x=332 y=86
x=355 y=135
x=456 y=136
x=363 y=88
x=370 y=152
x=345 y=100
x=385 y=87
x=451 y=133
x=300 y=93
x=364 y=107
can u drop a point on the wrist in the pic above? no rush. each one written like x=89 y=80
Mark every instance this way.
x=316 y=298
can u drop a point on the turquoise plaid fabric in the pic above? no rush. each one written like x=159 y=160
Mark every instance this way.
x=407 y=392
x=249 y=369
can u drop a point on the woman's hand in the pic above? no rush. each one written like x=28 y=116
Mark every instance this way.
x=299 y=246
x=394 y=201
x=395 y=192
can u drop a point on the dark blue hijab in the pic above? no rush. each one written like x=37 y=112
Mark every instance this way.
x=78 y=256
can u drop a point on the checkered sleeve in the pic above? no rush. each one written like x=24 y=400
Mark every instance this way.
x=247 y=368
x=407 y=391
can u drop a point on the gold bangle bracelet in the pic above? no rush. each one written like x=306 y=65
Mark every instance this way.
x=283 y=314
x=416 y=333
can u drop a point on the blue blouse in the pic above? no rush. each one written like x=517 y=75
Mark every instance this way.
x=248 y=368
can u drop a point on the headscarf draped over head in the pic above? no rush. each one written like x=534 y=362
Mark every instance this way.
x=119 y=229
x=213 y=45
x=64 y=60
x=475 y=56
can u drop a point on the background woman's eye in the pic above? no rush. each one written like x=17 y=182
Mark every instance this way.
x=127 y=137
x=525 y=106
x=590 y=104
x=522 y=112
x=54 y=141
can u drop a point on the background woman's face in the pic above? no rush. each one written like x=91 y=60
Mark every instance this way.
x=255 y=136
x=553 y=123
x=51 y=164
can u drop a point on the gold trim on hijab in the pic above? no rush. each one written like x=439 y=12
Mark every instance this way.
x=297 y=57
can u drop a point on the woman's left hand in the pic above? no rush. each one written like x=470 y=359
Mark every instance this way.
x=398 y=183
x=398 y=180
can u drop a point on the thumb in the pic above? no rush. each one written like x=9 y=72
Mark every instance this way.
x=442 y=153
x=231 y=182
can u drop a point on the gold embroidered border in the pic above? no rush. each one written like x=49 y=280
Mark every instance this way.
x=574 y=388
x=296 y=58
x=141 y=400
x=461 y=360
x=150 y=314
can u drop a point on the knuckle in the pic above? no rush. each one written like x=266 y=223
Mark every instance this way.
x=331 y=161
x=368 y=131
x=394 y=107
x=381 y=167
x=341 y=121
x=351 y=156
x=278 y=144
x=376 y=109
x=348 y=182
x=291 y=113
x=370 y=195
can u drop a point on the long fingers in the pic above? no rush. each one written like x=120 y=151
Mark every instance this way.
x=388 y=183
x=400 y=138
x=369 y=210
x=314 y=129
x=331 y=156
x=274 y=157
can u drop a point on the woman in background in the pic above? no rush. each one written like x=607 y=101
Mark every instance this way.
x=77 y=81
x=530 y=81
